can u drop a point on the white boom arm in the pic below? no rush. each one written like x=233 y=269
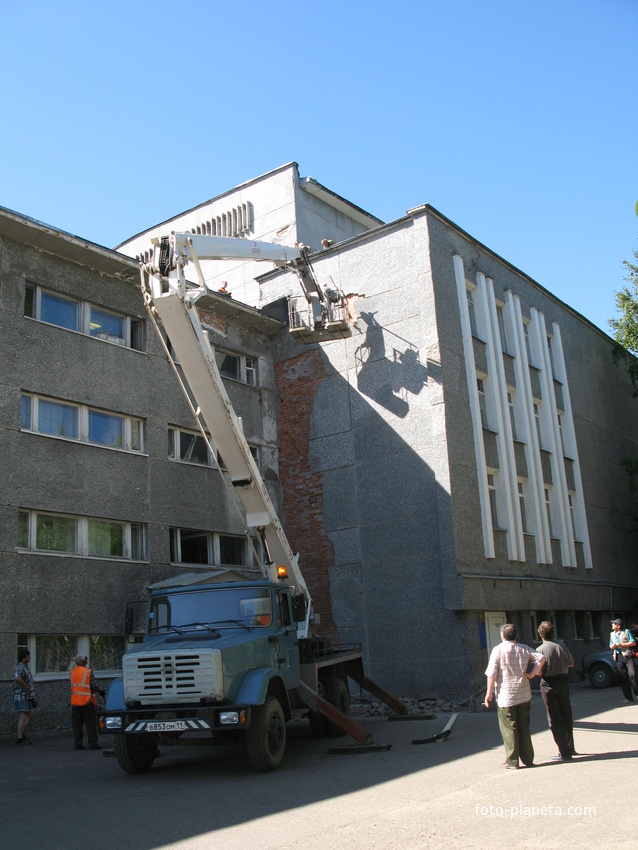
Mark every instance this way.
x=168 y=295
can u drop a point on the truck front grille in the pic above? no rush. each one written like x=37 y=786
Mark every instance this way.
x=171 y=677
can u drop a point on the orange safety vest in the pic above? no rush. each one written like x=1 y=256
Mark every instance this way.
x=81 y=686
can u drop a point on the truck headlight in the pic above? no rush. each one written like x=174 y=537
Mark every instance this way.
x=232 y=718
x=112 y=723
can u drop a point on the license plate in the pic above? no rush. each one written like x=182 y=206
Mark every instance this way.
x=166 y=726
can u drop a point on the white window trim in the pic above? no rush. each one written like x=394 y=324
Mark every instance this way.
x=130 y=423
x=83 y=648
x=85 y=317
x=248 y=367
x=217 y=462
x=82 y=539
x=251 y=547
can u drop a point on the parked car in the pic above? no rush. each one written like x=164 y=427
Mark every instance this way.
x=600 y=668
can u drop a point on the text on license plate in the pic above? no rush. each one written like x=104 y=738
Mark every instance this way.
x=166 y=726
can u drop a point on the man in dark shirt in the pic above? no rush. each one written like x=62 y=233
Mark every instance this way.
x=555 y=691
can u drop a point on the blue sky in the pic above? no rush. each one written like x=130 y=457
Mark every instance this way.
x=517 y=120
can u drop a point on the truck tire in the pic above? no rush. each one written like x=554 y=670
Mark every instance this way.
x=266 y=736
x=342 y=702
x=135 y=753
x=320 y=726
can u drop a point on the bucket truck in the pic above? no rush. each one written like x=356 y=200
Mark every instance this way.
x=232 y=660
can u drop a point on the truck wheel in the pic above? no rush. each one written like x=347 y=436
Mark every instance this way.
x=135 y=753
x=318 y=725
x=601 y=676
x=266 y=736
x=342 y=702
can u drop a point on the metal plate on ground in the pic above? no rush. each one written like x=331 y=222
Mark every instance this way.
x=358 y=748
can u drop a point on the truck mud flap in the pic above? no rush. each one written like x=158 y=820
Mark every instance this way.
x=321 y=706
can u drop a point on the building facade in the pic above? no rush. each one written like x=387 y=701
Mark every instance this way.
x=452 y=465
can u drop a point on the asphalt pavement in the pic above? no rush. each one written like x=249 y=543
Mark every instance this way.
x=454 y=793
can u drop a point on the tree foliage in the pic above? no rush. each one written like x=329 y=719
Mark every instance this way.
x=625 y=329
x=625 y=332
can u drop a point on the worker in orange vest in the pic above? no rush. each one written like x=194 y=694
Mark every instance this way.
x=84 y=691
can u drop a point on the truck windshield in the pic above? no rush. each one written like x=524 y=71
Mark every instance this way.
x=219 y=609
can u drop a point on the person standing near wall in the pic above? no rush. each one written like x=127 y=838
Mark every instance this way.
x=555 y=691
x=83 y=700
x=509 y=671
x=622 y=643
x=23 y=694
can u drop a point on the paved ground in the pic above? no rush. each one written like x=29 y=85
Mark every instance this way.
x=453 y=794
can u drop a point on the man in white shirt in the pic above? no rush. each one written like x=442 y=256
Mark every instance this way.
x=509 y=671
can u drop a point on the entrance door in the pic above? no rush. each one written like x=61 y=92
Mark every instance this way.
x=493 y=622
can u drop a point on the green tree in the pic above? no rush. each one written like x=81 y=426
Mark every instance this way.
x=625 y=329
x=625 y=333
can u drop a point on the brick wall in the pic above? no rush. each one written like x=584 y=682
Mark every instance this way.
x=298 y=381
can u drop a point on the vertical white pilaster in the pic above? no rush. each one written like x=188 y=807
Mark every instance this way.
x=536 y=484
x=477 y=428
x=569 y=436
x=504 y=437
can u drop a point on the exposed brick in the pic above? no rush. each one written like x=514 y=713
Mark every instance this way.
x=298 y=381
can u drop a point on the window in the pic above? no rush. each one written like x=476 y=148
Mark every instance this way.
x=551 y=355
x=82 y=536
x=232 y=550
x=537 y=419
x=583 y=625
x=549 y=511
x=521 y=502
x=251 y=371
x=106 y=538
x=500 y=314
x=510 y=404
x=82 y=423
x=570 y=497
x=482 y=403
x=188 y=447
x=194 y=546
x=560 y=431
x=472 y=311
x=527 y=343
x=108 y=326
x=491 y=488
x=229 y=365
x=56 y=310
x=52 y=656
x=83 y=317
x=239 y=367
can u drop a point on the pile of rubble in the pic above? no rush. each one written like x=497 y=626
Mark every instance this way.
x=429 y=705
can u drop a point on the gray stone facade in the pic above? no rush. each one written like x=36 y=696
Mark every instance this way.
x=440 y=524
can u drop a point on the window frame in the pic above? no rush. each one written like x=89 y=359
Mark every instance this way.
x=492 y=493
x=214 y=549
x=471 y=309
x=134 y=336
x=482 y=400
x=522 y=507
x=82 y=647
x=134 y=534
x=132 y=425
x=247 y=366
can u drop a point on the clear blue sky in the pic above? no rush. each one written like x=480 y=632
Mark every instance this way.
x=517 y=120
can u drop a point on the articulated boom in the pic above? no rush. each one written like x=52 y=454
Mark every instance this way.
x=168 y=295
